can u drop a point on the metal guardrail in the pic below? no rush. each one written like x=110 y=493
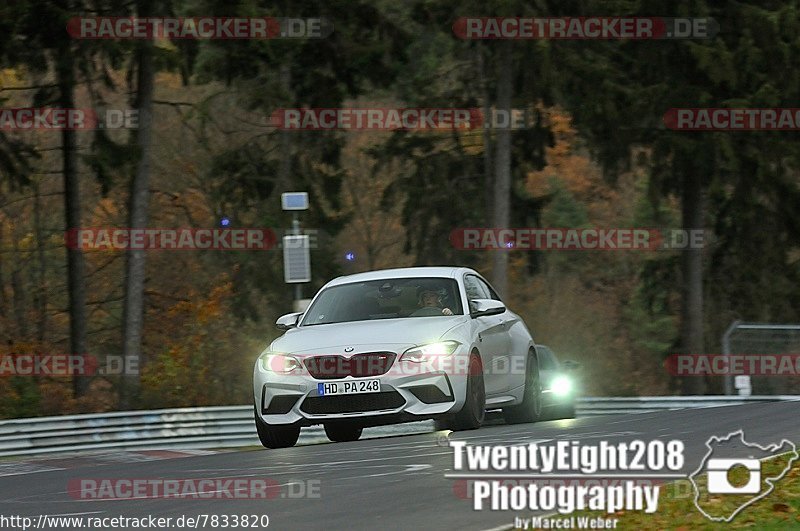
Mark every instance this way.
x=587 y=407
x=232 y=426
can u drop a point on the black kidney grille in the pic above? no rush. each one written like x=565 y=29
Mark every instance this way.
x=358 y=366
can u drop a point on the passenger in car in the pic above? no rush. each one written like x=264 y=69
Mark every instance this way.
x=430 y=301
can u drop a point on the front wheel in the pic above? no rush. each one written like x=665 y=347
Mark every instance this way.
x=342 y=432
x=530 y=410
x=472 y=414
x=276 y=436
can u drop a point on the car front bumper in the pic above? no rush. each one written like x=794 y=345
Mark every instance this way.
x=408 y=391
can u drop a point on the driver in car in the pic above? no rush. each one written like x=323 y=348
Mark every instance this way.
x=430 y=303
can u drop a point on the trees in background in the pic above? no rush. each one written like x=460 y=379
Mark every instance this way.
x=205 y=149
x=619 y=93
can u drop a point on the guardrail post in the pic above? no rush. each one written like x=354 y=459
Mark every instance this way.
x=726 y=351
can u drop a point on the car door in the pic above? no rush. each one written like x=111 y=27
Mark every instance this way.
x=504 y=367
x=492 y=338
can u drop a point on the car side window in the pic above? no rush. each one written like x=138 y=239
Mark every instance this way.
x=488 y=289
x=547 y=360
x=474 y=289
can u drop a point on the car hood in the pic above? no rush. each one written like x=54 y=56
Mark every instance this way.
x=391 y=333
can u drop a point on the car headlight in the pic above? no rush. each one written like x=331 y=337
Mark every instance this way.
x=280 y=363
x=442 y=348
x=561 y=386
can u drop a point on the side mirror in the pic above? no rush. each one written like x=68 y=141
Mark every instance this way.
x=483 y=307
x=290 y=320
x=569 y=365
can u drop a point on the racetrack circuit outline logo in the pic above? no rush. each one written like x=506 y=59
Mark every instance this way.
x=717 y=470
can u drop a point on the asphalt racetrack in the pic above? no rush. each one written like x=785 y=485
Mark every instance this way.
x=388 y=482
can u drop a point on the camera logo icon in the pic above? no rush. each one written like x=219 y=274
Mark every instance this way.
x=718 y=482
x=729 y=453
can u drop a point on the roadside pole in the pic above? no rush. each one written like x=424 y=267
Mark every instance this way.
x=298 y=288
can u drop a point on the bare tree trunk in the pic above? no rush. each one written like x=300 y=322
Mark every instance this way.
x=18 y=287
x=488 y=175
x=133 y=311
x=76 y=280
x=285 y=137
x=693 y=210
x=41 y=268
x=502 y=169
x=2 y=280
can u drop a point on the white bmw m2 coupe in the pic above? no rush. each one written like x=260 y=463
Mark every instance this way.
x=394 y=346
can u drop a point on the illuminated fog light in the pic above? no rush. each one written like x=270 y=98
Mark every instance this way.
x=561 y=386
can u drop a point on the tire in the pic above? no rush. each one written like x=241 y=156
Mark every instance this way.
x=343 y=432
x=276 y=436
x=474 y=411
x=530 y=410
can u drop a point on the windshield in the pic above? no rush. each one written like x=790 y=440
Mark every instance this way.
x=385 y=299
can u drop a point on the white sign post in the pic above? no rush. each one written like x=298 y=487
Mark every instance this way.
x=296 y=248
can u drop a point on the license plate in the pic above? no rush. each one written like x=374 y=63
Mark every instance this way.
x=349 y=388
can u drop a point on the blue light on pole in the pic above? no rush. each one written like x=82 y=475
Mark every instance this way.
x=350 y=256
x=225 y=221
